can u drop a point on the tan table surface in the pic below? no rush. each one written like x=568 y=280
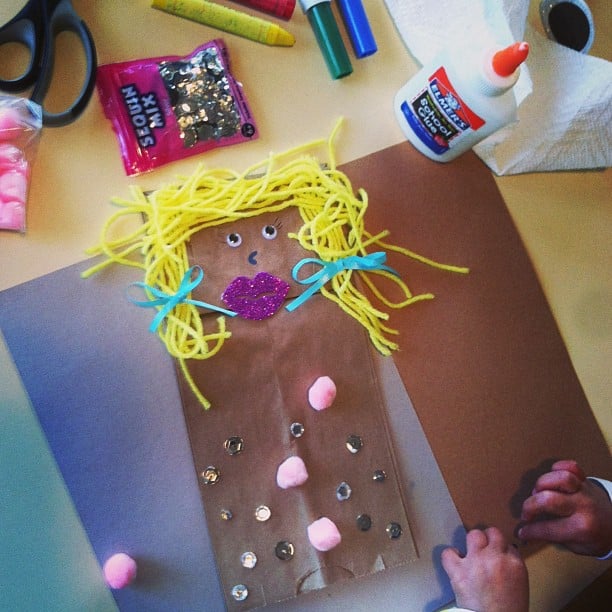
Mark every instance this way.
x=565 y=219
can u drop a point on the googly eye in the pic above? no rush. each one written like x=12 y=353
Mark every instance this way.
x=234 y=240
x=269 y=232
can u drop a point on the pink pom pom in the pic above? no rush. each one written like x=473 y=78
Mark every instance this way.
x=13 y=186
x=11 y=157
x=10 y=120
x=12 y=215
x=323 y=534
x=119 y=571
x=291 y=473
x=322 y=393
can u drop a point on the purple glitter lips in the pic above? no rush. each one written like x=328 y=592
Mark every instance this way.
x=257 y=298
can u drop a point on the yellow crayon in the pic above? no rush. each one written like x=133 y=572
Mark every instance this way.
x=228 y=20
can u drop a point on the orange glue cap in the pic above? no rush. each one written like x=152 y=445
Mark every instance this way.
x=506 y=61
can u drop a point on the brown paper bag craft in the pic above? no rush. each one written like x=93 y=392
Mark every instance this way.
x=264 y=285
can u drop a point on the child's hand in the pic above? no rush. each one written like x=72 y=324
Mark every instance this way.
x=568 y=509
x=491 y=577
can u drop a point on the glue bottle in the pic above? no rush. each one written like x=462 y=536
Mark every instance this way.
x=453 y=103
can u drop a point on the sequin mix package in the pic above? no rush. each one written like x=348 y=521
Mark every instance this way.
x=258 y=283
x=167 y=108
x=20 y=126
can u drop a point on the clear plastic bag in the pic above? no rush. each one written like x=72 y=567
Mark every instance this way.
x=167 y=108
x=20 y=126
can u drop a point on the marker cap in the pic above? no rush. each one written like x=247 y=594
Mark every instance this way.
x=358 y=27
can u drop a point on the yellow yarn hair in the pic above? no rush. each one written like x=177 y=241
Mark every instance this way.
x=333 y=228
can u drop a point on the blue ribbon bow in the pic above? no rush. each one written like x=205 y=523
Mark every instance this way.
x=329 y=269
x=180 y=297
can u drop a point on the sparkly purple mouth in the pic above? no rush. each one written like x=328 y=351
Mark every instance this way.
x=257 y=298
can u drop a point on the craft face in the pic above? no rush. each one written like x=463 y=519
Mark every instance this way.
x=297 y=417
x=247 y=263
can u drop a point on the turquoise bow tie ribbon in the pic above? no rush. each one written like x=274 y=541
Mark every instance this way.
x=329 y=269
x=168 y=302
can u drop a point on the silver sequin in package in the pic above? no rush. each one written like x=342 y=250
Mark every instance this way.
x=168 y=108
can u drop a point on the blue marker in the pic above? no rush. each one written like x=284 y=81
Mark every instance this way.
x=358 y=27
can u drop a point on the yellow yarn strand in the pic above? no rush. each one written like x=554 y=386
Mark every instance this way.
x=332 y=228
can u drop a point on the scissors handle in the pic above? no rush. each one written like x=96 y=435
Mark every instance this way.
x=25 y=28
x=64 y=19
x=37 y=26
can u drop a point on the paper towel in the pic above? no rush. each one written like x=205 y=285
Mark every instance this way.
x=564 y=97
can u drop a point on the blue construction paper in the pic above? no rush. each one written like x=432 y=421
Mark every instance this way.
x=106 y=395
x=46 y=560
x=105 y=392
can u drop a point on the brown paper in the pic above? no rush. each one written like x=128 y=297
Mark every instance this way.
x=258 y=386
x=484 y=362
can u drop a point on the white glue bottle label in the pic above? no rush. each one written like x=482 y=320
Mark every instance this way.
x=452 y=104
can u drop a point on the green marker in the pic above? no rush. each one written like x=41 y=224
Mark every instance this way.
x=326 y=31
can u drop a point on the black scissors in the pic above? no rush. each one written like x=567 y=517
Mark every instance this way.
x=37 y=26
